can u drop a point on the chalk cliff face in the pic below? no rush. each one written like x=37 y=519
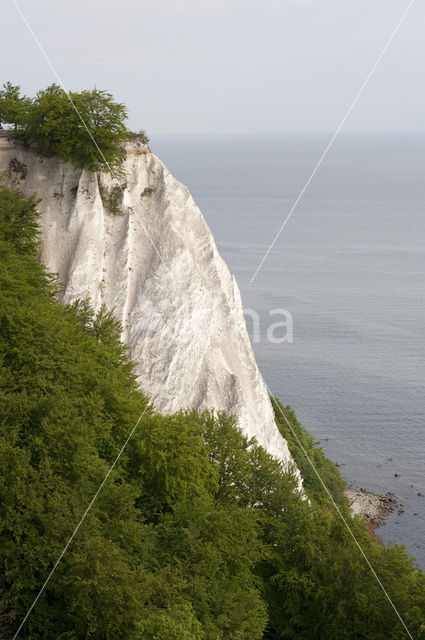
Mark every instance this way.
x=154 y=261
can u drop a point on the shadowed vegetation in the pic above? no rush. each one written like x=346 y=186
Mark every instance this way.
x=198 y=534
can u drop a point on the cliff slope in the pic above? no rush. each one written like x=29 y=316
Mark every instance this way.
x=149 y=254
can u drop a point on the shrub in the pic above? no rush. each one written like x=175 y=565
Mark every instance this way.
x=18 y=168
x=301 y=442
x=140 y=136
x=147 y=191
x=112 y=199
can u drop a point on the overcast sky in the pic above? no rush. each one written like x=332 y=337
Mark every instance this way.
x=221 y=66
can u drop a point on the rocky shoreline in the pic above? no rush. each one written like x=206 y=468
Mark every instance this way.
x=373 y=507
x=369 y=505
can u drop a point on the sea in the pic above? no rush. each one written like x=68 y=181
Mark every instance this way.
x=348 y=271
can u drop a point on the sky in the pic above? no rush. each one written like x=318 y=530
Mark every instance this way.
x=228 y=66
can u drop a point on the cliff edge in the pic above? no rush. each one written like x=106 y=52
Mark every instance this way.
x=144 y=249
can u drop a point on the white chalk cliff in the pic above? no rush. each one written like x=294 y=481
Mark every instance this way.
x=156 y=263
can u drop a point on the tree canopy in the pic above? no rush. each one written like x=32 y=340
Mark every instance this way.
x=198 y=534
x=86 y=128
x=13 y=106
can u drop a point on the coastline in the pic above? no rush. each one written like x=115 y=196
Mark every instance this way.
x=372 y=507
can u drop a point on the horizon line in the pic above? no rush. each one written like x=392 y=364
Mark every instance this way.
x=283 y=133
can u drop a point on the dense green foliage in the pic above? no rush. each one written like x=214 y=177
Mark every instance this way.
x=198 y=534
x=86 y=128
x=301 y=444
x=13 y=106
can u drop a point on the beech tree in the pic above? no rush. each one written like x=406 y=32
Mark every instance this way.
x=85 y=128
x=13 y=106
x=198 y=533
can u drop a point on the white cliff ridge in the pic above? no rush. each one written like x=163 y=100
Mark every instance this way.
x=155 y=262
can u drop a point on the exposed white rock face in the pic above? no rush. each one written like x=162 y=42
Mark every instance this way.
x=156 y=264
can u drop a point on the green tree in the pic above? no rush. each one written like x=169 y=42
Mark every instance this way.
x=85 y=128
x=300 y=443
x=155 y=542
x=19 y=220
x=198 y=534
x=216 y=548
x=13 y=106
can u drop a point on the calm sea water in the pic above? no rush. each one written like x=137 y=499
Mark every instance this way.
x=350 y=268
